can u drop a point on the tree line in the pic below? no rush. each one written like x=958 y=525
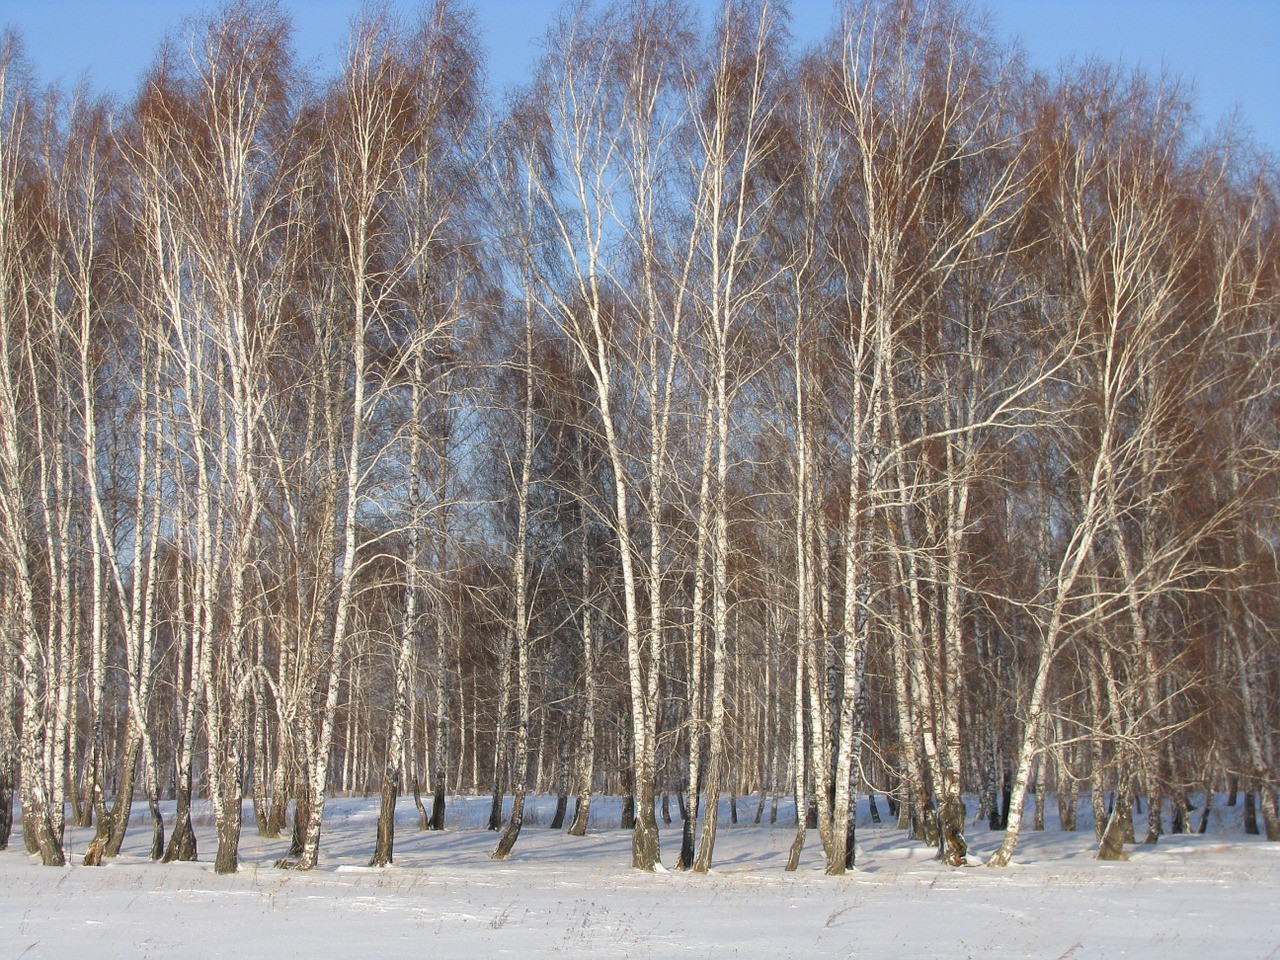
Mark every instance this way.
x=705 y=416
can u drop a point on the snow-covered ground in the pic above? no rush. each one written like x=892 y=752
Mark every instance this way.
x=1209 y=896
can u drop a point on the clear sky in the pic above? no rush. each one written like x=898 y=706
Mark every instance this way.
x=1230 y=49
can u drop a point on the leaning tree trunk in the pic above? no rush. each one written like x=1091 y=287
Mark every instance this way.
x=1119 y=828
x=113 y=823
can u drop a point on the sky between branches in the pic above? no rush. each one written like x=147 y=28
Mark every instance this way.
x=1230 y=49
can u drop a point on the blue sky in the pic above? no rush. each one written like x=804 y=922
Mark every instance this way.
x=1230 y=49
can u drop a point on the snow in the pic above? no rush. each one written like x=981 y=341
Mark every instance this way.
x=1208 y=895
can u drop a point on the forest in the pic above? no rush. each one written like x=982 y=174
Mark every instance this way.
x=706 y=417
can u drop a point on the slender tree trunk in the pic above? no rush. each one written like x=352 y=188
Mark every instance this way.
x=441 y=749
x=500 y=735
x=521 y=600
x=182 y=838
x=798 y=747
x=8 y=742
x=587 y=728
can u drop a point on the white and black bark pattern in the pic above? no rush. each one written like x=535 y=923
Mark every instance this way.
x=586 y=736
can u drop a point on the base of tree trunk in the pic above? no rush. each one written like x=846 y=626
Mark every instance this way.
x=581 y=814
x=645 y=850
x=276 y=816
x=227 y=859
x=685 y=860
x=495 y=811
x=1250 y=814
x=157 y=829
x=1067 y=810
x=6 y=809
x=512 y=833
x=1114 y=836
x=797 y=847
x=952 y=849
x=182 y=842
x=93 y=855
x=38 y=832
x=32 y=845
x=437 y=807
x=1270 y=815
x=384 y=845
x=424 y=822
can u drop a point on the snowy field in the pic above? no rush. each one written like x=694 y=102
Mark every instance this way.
x=1212 y=896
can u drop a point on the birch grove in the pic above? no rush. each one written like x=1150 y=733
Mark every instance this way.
x=882 y=422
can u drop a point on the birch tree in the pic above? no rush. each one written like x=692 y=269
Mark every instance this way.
x=41 y=799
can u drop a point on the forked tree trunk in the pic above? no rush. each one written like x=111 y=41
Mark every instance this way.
x=122 y=809
x=182 y=839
